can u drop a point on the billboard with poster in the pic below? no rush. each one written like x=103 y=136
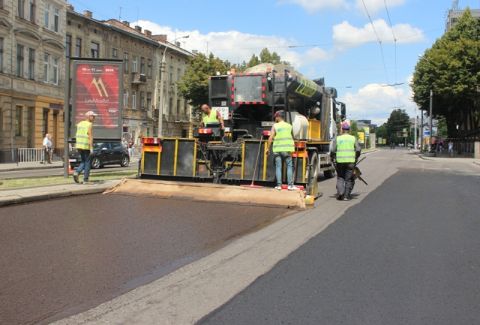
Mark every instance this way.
x=361 y=137
x=98 y=86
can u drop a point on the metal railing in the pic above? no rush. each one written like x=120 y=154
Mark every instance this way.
x=30 y=154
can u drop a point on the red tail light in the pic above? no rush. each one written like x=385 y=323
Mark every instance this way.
x=151 y=141
x=205 y=131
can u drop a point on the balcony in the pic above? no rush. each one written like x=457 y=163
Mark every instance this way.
x=138 y=78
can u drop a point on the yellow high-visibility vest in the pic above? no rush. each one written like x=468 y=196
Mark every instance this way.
x=82 y=135
x=345 y=148
x=210 y=118
x=283 y=140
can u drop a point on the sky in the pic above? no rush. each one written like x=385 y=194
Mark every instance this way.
x=351 y=43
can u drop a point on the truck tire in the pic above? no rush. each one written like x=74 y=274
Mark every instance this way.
x=329 y=173
x=312 y=175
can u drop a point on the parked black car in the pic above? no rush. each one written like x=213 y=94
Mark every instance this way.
x=104 y=153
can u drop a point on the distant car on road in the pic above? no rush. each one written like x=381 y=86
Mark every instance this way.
x=104 y=153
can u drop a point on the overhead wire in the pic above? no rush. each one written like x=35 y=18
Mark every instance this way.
x=378 y=40
x=394 y=37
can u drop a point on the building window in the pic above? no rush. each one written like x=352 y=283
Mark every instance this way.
x=125 y=62
x=149 y=100
x=78 y=47
x=142 y=100
x=56 y=20
x=32 y=11
x=46 y=21
x=95 y=50
x=134 y=100
x=68 y=45
x=149 y=68
x=114 y=53
x=20 y=60
x=46 y=67
x=19 y=121
x=31 y=64
x=55 y=71
x=142 y=65
x=1 y=54
x=21 y=8
x=125 y=98
x=134 y=64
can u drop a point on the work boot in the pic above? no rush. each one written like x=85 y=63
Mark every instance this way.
x=75 y=177
x=87 y=182
x=340 y=197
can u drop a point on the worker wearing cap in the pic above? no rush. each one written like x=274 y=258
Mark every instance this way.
x=283 y=146
x=345 y=151
x=211 y=116
x=84 y=145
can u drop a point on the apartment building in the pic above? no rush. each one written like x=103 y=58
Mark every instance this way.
x=141 y=53
x=32 y=63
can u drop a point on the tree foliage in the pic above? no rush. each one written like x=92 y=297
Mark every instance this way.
x=451 y=68
x=396 y=123
x=194 y=83
x=265 y=56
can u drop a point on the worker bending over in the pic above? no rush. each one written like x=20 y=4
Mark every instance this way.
x=211 y=116
x=283 y=146
x=345 y=151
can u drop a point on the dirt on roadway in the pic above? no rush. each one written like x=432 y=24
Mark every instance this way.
x=60 y=257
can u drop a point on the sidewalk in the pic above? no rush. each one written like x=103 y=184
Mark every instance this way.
x=29 y=166
x=17 y=196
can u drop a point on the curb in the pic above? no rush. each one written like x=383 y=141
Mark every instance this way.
x=28 y=168
x=17 y=199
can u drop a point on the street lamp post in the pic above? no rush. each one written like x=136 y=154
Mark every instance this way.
x=415 y=144
x=162 y=85
x=431 y=121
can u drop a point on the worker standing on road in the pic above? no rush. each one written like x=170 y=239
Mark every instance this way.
x=211 y=116
x=345 y=151
x=84 y=145
x=283 y=145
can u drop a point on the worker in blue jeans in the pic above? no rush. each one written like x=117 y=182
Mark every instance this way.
x=283 y=146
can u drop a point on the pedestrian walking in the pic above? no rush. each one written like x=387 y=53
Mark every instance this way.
x=345 y=151
x=47 y=149
x=450 y=148
x=84 y=145
x=283 y=146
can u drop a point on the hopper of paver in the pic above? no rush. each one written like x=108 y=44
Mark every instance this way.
x=206 y=192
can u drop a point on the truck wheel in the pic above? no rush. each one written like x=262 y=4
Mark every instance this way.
x=312 y=176
x=329 y=173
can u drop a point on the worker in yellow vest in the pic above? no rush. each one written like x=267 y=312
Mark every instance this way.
x=345 y=151
x=211 y=116
x=283 y=146
x=84 y=145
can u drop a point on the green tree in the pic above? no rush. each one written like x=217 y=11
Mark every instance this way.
x=265 y=56
x=451 y=68
x=381 y=132
x=194 y=83
x=396 y=124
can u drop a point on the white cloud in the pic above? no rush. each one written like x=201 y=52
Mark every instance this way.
x=345 y=35
x=236 y=46
x=374 y=6
x=316 y=5
x=376 y=102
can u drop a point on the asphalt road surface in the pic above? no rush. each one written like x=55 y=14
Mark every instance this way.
x=408 y=254
x=60 y=257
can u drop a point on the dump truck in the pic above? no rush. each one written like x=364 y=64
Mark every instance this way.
x=237 y=154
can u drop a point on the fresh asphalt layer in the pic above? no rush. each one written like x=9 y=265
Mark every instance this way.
x=408 y=254
x=63 y=256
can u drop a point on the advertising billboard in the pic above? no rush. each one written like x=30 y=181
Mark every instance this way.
x=361 y=137
x=97 y=86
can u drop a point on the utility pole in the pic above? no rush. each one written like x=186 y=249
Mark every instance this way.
x=431 y=121
x=421 y=130
x=415 y=144
x=66 y=125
